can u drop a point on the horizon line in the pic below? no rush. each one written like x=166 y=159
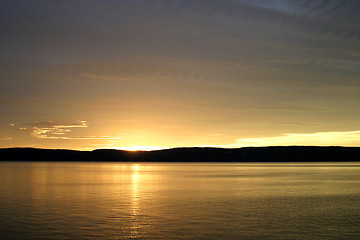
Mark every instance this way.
x=185 y=147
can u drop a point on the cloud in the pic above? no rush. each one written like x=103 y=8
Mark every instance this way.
x=108 y=77
x=5 y=138
x=333 y=18
x=57 y=130
x=347 y=138
x=86 y=138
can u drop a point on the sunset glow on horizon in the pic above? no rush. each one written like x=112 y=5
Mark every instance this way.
x=148 y=75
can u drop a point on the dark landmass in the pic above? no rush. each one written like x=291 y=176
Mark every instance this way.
x=247 y=154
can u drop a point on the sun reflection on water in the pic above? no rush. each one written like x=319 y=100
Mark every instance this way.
x=135 y=198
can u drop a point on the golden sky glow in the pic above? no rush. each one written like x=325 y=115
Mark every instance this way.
x=145 y=75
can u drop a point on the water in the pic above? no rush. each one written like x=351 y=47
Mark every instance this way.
x=179 y=201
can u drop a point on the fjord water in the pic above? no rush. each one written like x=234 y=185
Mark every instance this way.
x=82 y=200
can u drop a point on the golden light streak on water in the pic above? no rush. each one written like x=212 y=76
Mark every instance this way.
x=135 y=198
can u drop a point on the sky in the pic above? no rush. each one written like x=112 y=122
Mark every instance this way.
x=151 y=74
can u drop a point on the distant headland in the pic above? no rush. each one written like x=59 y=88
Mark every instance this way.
x=194 y=154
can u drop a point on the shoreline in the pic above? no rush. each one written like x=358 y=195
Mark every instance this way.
x=217 y=155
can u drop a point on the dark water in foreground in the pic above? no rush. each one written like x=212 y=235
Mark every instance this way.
x=179 y=201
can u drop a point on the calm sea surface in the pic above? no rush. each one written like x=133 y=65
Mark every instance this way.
x=179 y=201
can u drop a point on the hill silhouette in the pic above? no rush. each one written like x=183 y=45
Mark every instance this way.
x=247 y=154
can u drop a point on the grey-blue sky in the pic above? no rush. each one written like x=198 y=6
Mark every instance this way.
x=233 y=68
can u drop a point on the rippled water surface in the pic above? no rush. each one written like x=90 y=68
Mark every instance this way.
x=179 y=201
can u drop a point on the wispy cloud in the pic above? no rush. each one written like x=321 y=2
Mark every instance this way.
x=5 y=138
x=332 y=19
x=108 y=77
x=57 y=130
x=346 y=138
